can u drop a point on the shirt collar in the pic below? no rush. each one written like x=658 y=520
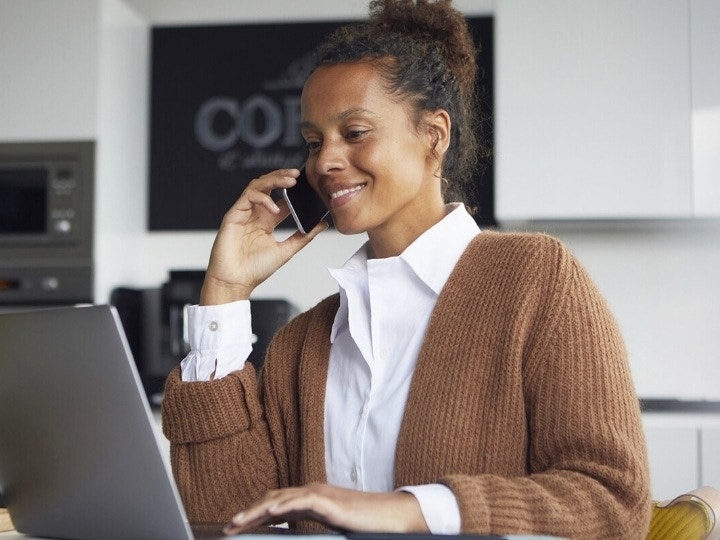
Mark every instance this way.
x=432 y=256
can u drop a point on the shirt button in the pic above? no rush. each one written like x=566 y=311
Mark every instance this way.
x=213 y=326
x=353 y=474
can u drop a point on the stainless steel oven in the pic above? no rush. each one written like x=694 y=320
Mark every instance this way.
x=46 y=222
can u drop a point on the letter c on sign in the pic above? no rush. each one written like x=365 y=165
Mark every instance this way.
x=206 y=136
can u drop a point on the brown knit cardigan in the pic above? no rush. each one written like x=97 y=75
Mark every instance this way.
x=521 y=403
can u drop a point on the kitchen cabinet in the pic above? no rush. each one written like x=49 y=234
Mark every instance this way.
x=593 y=109
x=682 y=451
x=711 y=451
x=673 y=454
x=49 y=67
x=705 y=71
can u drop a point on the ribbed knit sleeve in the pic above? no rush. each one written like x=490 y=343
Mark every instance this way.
x=234 y=438
x=522 y=400
x=220 y=447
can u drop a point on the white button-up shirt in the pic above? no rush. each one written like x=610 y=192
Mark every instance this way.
x=385 y=306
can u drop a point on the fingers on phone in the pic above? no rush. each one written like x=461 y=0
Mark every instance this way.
x=317 y=229
x=259 y=194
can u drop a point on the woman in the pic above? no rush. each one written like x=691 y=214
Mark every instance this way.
x=461 y=381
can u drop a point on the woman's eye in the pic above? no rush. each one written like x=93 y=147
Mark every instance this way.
x=355 y=133
x=312 y=145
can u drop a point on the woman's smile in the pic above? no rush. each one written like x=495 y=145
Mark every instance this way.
x=342 y=192
x=344 y=196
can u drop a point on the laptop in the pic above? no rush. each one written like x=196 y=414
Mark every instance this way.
x=79 y=455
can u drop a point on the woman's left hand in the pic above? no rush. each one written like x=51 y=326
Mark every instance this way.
x=337 y=508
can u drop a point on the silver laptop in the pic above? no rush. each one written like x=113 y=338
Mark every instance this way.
x=79 y=457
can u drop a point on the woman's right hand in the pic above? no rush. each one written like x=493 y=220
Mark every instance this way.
x=245 y=252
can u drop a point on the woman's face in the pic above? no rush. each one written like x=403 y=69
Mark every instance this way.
x=373 y=168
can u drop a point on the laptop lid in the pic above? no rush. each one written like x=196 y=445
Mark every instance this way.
x=79 y=456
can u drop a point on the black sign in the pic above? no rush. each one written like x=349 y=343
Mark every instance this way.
x=225 y=108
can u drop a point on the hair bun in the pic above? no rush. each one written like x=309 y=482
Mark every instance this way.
x=433 y=23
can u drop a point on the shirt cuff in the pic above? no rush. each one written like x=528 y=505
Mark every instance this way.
x=439 y=507
x=220 y=339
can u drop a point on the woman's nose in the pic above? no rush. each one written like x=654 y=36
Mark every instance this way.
x=331 y=157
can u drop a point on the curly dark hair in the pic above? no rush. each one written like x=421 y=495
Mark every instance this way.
x=428 y=58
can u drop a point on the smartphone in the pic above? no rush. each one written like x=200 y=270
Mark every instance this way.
x=306 y=206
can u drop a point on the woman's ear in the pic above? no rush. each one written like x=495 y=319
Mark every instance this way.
x=438 y=123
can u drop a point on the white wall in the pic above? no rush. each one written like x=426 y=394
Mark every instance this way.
x=48 y=69
x=79 y=69
x=122 y=148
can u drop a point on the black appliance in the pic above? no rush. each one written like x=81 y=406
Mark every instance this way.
x=155 y=322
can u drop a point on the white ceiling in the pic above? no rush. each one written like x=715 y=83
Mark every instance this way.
x=167 y=12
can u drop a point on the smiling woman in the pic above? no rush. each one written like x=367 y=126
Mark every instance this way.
x=355 y=132
x=460 y=381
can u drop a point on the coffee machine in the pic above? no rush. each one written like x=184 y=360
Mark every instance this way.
x=155 y=323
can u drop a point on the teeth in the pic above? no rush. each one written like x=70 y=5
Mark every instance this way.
x=345 y=191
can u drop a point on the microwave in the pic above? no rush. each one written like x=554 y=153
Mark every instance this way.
x=46 y=221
